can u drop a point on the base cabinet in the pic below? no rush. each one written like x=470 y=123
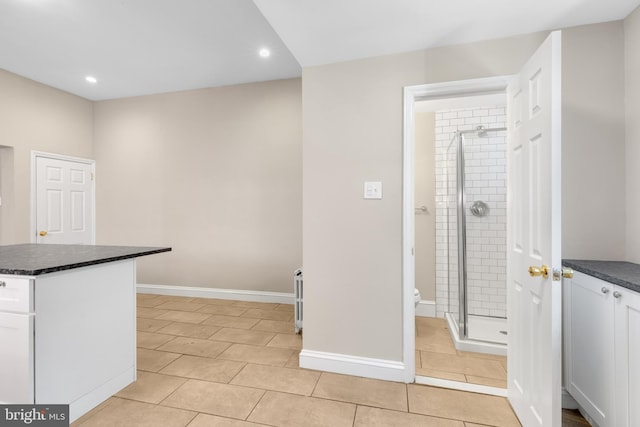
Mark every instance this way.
x=602 y=350
x=589 y=345
x=68 y=337
x=16 y=340
x=627 y=348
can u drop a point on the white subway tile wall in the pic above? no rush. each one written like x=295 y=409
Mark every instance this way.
x=485 y=180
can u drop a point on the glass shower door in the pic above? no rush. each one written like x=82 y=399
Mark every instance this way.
x=453 y=236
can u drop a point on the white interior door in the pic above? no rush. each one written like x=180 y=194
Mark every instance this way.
x=534 y=303
x=64 y=201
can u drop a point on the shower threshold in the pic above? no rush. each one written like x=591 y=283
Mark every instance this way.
x=485 y=335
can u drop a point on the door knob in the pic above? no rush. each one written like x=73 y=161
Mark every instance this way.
x=42 y=233
x=567 y=273
x=539 y=271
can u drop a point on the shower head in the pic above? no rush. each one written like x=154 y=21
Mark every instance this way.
x=481 y=132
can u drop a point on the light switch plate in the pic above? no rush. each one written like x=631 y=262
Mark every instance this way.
x=373 y=190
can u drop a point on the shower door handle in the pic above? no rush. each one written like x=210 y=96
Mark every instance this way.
x=539 y=271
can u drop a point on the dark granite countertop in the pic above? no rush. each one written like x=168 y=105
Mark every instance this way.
x=37 y=259
x=625 y=274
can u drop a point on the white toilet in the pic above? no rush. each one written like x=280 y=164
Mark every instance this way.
x=417 y=296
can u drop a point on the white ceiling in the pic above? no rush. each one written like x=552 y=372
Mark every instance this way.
x=138 y=47
x=322 y=32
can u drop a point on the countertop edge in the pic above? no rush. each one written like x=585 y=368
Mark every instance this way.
x=579 y=265
x=71 y=266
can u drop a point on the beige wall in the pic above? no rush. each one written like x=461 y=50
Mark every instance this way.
x=425 y=195
x=352 y=132
x=593 y=195
x=214 y=173
x=34 y=117
x=632 y=100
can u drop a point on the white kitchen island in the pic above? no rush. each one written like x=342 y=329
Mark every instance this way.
x=67 y=323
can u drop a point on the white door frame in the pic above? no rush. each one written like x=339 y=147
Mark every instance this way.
x=34 y=207
x=485 y=86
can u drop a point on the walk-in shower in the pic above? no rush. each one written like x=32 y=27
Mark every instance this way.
x=474 y=220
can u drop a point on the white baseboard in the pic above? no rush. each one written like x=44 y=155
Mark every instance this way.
x=87 y=402
x=426 y=308
x=381 y=369
x=568 y=402
x=198 y=292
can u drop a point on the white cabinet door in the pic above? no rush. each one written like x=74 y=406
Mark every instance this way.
x=589 y=345
x=627 y=348
x=16 y=358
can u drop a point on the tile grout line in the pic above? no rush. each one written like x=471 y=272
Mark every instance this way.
x=355 y=415
x=358 y=406
x=264 y=393
x=317 y=381
x=406 y=387
x=237 y=373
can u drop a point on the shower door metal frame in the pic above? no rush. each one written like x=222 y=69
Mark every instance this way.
x=463 y=312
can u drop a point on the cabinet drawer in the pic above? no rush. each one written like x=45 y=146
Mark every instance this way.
x=16 y=295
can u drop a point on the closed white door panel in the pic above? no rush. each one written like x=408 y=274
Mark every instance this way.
x=64 y=201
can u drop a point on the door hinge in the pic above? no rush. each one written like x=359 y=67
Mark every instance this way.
x=91 y=176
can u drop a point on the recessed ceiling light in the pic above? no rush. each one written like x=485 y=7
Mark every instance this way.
x=264 y=52
x=91 y=79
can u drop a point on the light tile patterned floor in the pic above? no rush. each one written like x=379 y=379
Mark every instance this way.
x=208 y=362
x=436 y=356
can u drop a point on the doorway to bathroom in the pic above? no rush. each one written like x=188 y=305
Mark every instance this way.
x=534 y=253
x=460 y=239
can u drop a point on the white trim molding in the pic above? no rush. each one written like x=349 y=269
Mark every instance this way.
x=426 y=308
x=199 y=292
x=568 y=402
x=411 y=94
x=389 y=370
